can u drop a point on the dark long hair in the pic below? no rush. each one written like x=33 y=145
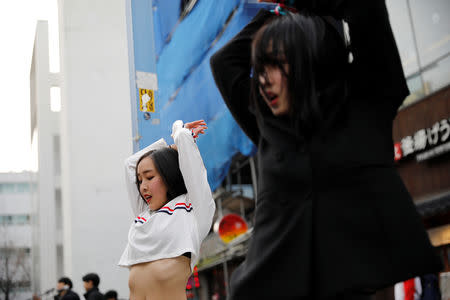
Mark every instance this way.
x=167 y=165
x=315 y=56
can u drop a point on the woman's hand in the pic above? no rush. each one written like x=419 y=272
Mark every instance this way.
x=197 y=127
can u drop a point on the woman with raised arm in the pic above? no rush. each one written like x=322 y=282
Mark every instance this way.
x=173 y=207
x=318 y=97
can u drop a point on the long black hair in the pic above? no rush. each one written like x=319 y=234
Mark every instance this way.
x=315 y=55
x=167 y=165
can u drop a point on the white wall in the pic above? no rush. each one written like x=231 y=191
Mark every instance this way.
x=45 y=124
x=15 y=203
x=96 y=137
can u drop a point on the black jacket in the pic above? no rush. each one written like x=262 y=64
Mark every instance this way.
x=332 y=212
x=94 y=294
x=70 y=295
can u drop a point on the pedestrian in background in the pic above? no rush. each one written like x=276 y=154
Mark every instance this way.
x=173 y=208
x=111 y=295
x=318 y=97
x=91 y=282
x=64 y=290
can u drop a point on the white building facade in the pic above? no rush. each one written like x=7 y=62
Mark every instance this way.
x=15 y=233
x=81 y=206
x=47 y=233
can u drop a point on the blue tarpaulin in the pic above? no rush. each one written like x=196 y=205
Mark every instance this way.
x=186 y=88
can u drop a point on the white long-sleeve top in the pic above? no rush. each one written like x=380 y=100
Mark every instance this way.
x=179 y=226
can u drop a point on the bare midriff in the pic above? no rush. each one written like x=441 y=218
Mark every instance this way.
x=160 y=279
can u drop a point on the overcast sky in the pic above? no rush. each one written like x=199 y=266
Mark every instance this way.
x=17 y=29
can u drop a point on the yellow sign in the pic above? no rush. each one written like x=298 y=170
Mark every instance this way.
x=147 y=100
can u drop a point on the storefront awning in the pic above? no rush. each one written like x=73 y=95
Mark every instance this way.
x=434 y=206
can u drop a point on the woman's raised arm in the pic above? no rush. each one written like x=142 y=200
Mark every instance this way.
x=194 y=175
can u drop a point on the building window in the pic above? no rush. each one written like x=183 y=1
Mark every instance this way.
x=422 y=33
x=22 y=187
x=432 y=29
x=56 y=155
x=5 y=220
x=7 y=188
x=55 y=99
x=15 y=188
x=14 y=219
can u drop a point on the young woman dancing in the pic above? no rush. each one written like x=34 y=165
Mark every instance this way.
x=333 y=218
x=173 y=205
